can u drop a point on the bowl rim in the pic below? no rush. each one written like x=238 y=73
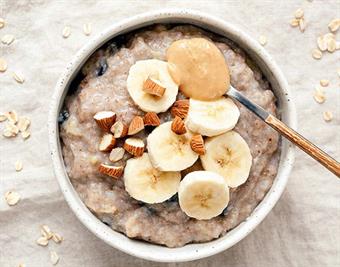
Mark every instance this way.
x=142 y=249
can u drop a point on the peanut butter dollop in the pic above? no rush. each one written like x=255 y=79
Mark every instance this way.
x=199 y=68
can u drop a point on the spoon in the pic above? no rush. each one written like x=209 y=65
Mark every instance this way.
x=294 y=137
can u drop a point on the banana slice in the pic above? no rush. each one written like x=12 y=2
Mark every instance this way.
x=145 y=183
x=228 y=155
x=212 y=118
x=169 y=151
x=158 y=71
x=203 y=195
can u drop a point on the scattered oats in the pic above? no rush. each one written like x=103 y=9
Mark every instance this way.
x=11 y=130
x=66 y=31
x=334 y=25
x=322 y=44
x=302 y=25
x=298 y=13
x=319 y=96
x=25 y=134
x=7 y=39
x=2 y=23
x=316 y=53
x=18 y=166
x=87 y=28
x=57 y=238
x=324 y=82
x=54 y=257
x=42 y=241
x=263 y=40
x=12 y=116
x=294 y=22
x=23 y=124
x=3 y=117
x=46 y=231
x=18 y=77
x=331 y=45
x=3 y=65
x=12 y=198
x=327 y=116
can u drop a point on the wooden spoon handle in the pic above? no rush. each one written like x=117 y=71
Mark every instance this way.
x=311 y=149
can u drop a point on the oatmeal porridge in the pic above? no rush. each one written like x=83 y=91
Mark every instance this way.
x=107 y=169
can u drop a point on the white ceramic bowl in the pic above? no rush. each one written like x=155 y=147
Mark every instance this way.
x=191 y=251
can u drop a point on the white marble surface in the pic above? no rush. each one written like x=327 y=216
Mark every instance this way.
x=303 y=228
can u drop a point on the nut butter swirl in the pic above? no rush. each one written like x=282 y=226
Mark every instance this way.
x=199 y=68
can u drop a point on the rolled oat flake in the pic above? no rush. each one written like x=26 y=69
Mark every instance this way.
x=3 y=65
x=7 y=39
x=2 y=23
x=12 y=198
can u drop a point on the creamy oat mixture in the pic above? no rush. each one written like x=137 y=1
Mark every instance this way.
x=103 y=87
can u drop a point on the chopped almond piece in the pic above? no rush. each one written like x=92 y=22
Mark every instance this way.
x=177 y=126
x=116 y=154
x=136 y=125
x=153 y=87
x=180 y=108
x=151 y=119
x=197 y=144
x=119 y=129
x=105 y=119
x=135 y=146
x=112 y=171
x=107 y=143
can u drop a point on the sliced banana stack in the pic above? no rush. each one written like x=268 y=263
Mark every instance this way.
x=151 y=70
x=212 y=118
x=203 y=195
x=169 y=151
x=145 y=183
x=228 y=155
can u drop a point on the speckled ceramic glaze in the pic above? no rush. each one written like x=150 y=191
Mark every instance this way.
x=192 y=251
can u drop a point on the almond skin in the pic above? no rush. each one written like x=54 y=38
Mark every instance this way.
x=152 y=87
x=180 y=108
x=119 y=129
x=151 y=119
x=112 y=171
x=105 y=119
x=135 y=146
x=136 y=125
x=177 y=126
x=197 y=144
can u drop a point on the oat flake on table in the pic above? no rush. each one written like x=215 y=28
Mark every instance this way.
x=87 y=28
x=66 y=32
x=18 y=77
x=54 y=257
x=327 y=116
x=7 y=39
x=12 y=198
x=3 y=65
x=2 y=23
x=18 y=166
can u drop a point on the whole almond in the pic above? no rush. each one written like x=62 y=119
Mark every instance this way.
x=136 y=125
x=177 y=126
x=151 y=119
x=197 y=144
x=180 y=108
